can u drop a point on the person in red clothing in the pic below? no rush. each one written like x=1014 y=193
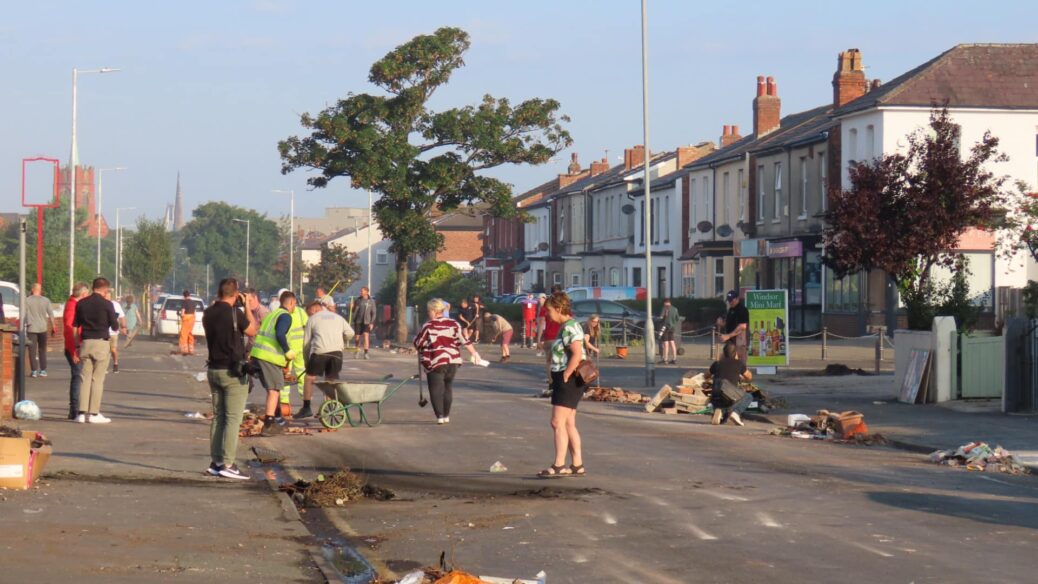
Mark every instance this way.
x=549 y=332
x=529 y=320
x=71 y=334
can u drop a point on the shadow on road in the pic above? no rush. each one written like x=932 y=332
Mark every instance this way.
x=994 y=511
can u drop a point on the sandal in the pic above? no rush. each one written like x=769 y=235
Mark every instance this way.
x=554 y=472
x=576 y=471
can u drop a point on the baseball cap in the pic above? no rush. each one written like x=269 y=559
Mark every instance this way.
x=732 y=295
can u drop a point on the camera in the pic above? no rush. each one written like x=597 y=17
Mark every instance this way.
x=244 y=369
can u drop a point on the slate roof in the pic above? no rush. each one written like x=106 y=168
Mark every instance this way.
x=997 y=76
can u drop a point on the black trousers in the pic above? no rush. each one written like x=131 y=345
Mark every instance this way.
x=441 y=391
x=37 y=350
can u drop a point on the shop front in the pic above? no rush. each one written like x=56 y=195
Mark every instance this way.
x=794 y=265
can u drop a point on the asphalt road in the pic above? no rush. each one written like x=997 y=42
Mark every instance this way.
x=667 y=499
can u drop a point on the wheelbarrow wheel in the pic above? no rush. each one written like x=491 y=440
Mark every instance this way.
x=332 y=414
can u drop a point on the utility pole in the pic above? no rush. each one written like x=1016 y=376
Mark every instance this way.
x=650 y=332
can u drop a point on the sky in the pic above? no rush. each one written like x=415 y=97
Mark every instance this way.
x=208 y=88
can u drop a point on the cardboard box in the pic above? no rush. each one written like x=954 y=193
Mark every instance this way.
x=20 y=463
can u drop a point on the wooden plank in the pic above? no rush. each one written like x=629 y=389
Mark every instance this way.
x=661 y=396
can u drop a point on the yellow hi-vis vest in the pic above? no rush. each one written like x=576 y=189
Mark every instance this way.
x=266 y=347
x=295 y=335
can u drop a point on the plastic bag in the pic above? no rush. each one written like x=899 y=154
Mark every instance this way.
x=27 y=410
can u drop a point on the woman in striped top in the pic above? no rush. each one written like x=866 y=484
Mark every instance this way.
x=439 y=345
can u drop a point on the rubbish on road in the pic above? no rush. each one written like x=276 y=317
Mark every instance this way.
x=10 y=432
x=978 y=456
x=416 y=577
x=27 y=410
x=22 y=458
x=266 y=455
x=498 y=467
x=444 y=576
x=845 y=427
x=615 y=395
x=195 y=415
x=200 y=376
x=334 y=490
x=794 y=420
x=693 y=397
x=251 y=425
x=657 y=400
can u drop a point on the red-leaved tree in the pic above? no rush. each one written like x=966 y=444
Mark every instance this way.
x=904 y=213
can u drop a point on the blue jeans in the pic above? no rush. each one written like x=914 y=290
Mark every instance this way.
x=740 y=406
x=74 y=385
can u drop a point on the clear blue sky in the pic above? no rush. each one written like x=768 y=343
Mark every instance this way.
x=209 y=87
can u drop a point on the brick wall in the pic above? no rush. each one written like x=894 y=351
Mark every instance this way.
x=6 y=377
x=460 y=246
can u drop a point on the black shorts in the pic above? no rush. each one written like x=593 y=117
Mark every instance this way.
x=667 y=336
x=566 y=394
x=327 y=365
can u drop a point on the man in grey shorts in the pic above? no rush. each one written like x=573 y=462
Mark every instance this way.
x=271 y=353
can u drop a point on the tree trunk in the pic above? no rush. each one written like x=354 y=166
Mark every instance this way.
x=401 y=299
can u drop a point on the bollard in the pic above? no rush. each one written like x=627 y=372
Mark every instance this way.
x=825 y=343
x=713 y=344
x=879 y=347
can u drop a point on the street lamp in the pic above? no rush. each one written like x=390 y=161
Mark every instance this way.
x=650 y=333
x=97 y=212
x=73 y=164
x=248 y=226
x=291 y=234
x=119 y=249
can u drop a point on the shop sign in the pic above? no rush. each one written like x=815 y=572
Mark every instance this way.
x=769 y=329
x=785 y=249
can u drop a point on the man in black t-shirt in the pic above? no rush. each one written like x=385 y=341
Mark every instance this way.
x=225 y=322
x=736 y=324
x=732 y=370
x=467 y=318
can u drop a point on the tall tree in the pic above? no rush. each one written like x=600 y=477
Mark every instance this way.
x=337 y=265
x=419 y=160
x=147 y=258
x=904 y=213
x=214 y=237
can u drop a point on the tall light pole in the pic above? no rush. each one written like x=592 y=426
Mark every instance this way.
x=97 y=212
x=291 y=235
x=73 y=164
x=247 y=227
x=119 y=249
x=369 y=241
x=650 y=332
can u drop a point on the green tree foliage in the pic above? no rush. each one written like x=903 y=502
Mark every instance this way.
x=419 y=160
x=904 y=213
x=337 y=264
x=441 y=280
x=147 y=257
x=213 y=237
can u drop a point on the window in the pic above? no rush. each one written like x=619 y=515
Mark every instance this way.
x=852 y=146
x=742 y=200
x=654 y=211
x=381 y=258
x=692 y=200
x=803 y=187
x=842 y=294
x=556 y=278
x=574 y=279
x=562 y=224
x=708 y=200
x=870 y=141
x=778 y=191
x=666 y=219
x=823 y=183
x=593 y=279
x=495 y=281
x=614 y=276
x=760 y=194
x=636 y=277
x=641 y=225
x=688 y=280
x=724 y=200
x=719 y=277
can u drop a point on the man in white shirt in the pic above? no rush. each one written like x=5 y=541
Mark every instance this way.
x=113 y=336
x=325 y=337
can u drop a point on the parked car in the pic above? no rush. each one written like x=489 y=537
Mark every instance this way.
x=168 y=323
x=613 y=316
x=12 y=298
x=606 y=293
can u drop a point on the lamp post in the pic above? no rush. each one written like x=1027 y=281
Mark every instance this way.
x=73 y=164
x=650 y=333
x=247 y=227
x=369 y=241
x=119 y=249
x=97 y=212
x=291 y=235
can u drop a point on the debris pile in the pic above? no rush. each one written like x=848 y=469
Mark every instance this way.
x=978 y=456
x=334 y=491
x=614 y=394
x=846 y=427
x=693 y=397
x=252 y=425
x=9 y=432
x=441 y=576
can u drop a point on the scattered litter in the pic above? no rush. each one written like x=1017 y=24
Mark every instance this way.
x=195 y=415
x=445 y=576
x=334 y=491
x=9 y=432
x=615 y=395
x=507 y=527
x=27 y=410
x=266 y=455
x=793 y=420
x=200 y=376
x=498 y=467
x=416 y=577
x=32 y=511
x=844 y=427
x=879 y=403
x=693 y=397
x=978 y=456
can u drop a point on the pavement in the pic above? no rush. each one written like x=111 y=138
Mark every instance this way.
x=129 y=502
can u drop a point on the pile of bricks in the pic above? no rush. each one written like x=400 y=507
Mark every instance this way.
x=615 y=395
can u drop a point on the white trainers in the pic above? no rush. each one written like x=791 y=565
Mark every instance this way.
x=716 y=418
x=81 y=419
x=734 y=417
x=441 y=421
x=98 y=419
x=447 y=420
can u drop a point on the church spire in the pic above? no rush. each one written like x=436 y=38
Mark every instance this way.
x=178 y=208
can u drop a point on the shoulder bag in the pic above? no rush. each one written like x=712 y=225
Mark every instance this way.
x=586 y=371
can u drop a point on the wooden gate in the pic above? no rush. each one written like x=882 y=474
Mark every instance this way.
x=980 y=373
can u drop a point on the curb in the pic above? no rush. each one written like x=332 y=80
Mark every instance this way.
x=288 y=509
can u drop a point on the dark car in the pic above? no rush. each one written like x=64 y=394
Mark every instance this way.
x=613 y=315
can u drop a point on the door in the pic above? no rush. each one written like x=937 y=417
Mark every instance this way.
x=661 y=283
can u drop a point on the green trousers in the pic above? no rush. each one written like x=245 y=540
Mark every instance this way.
x=229 y=396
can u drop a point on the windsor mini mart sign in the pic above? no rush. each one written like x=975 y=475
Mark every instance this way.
x=768 y=330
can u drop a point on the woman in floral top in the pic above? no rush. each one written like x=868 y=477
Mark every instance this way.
x=438 y=344
x=566 y=353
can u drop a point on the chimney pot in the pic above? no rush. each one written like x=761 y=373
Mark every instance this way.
x=767 y=107
x=849 y=81
x=760 y=85
x=876 y=83
x=725 y=131
x=735 y=131
x=772 y=87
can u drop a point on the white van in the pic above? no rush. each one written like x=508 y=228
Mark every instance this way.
x=12 y=299
x=606 y=293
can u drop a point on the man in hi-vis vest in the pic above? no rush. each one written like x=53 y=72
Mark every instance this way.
x=296 y=367
x=272 y=353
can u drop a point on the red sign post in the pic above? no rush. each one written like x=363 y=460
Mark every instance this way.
x=41 y=206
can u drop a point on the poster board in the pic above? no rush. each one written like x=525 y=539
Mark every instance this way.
x=915 y=377
x=769 y=328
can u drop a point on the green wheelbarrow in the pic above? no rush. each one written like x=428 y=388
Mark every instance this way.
x=345 y=400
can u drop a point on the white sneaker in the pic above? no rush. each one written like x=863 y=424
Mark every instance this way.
x=98 y=419
x=447 y=420
x=441 y=420
x=734 y=417
x=81 y=419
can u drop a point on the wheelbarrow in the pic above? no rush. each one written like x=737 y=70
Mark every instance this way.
x=343 y=396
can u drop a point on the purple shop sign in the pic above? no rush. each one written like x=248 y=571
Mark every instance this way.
x=785 y=249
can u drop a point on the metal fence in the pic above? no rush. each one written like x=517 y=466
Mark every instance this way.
x=1021 y=366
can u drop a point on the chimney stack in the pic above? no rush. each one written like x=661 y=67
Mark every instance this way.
x=730 y=136
x=875 y=84
x=767 y=107
x=849 y=81
x=688 y=154
x=598 y=167
x=634 y=157
x=574 y=165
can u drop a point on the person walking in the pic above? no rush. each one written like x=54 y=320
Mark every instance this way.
x=467 y=319
x=729 y=369
x=187 y=324
x=439 y=343
x=272 y=355
x=113 y=335
x=96 y=317
x=133 y=319
x=541 y=321
x=39 y=320
x=497 y=328
x=567 y=351
x=670 y=320
x=325 y=337
x=477 y=314
x=224 y=323
x=71 y=333
x=529 y=320
x=735 y=324
x=364 y=321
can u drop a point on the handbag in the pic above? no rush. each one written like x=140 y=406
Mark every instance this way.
x=586 y=372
